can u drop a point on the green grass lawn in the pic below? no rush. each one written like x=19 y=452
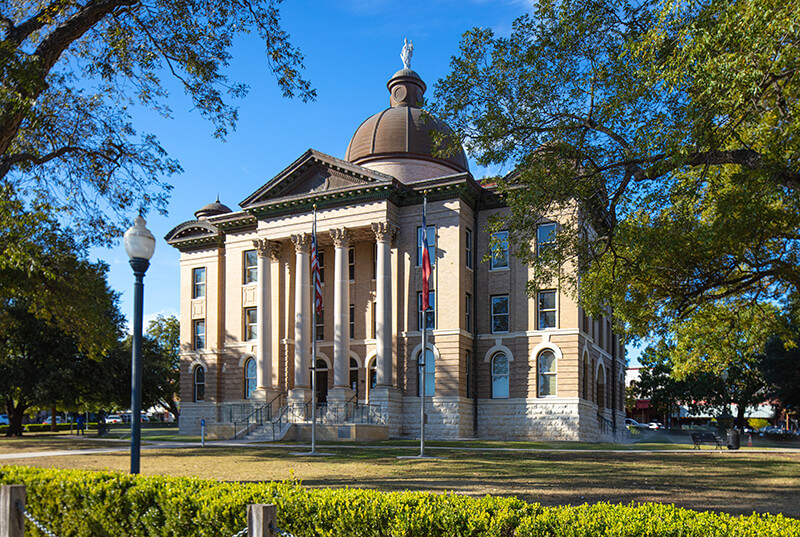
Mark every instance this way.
x=735 y=482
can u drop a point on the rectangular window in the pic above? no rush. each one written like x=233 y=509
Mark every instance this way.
x=468 y=313
x=321 y=261
x=250 y=267
x=319 y=324
x=199 y=334
x=431 y=245
x=352 y=321
x=199 y=282
x=469 y=374
x=499 y=313
x=547 y=309
x=468 y=248
x=250 y=324
x=545 y=237
x=374 y=319
x=430 y=315
x=374 y=260
x=351 y=263
x=499 y=247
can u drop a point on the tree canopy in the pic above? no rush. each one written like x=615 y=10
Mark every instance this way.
x=71 y=71
x=666 y=134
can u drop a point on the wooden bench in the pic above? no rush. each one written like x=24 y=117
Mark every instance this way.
x=708 y=438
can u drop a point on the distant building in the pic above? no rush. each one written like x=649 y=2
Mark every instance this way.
x=500 y=364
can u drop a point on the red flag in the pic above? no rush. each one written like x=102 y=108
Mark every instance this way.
x=315 y=270
x=426 y=261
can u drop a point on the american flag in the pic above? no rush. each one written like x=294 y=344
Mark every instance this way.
x=426 y=260
x=315 y=269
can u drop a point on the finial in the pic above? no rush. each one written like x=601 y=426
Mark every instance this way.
x=405 y=55
x=217 y=197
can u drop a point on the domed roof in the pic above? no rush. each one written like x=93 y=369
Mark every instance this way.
x=403 y=131
x=212 y=209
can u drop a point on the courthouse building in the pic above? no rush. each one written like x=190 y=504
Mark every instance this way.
x=499 y=363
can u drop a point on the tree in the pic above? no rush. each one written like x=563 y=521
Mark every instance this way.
x=70 y=73
x=780 y=363
x=718 y=339
x=166 y=333
x=665 y=134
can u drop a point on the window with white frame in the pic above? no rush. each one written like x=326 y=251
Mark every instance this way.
x=545 y=237
x=431 y=245
x=250 y=267
x=430 y=314
x=249 y=377
x=499 y=247
x=547 y=309
x=352 y=321
x=354 y=375
x=199 y=334
x=499 y=314
x=199 y=391
x=468 y=312
x=499 y=375
x=429 y=376
x=468 y=248
x=547 y=373
x=199 y=282
x=351 y=264
x=319 y=324
x=373 y=373
x=250 y=324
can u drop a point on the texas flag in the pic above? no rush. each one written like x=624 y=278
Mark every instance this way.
x=426 y=260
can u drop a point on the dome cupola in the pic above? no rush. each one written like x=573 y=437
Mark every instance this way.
x=212 y=209
x=399 y=141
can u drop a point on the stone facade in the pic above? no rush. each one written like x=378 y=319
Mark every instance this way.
x=504 y=364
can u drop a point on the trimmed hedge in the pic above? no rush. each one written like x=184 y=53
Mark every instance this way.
x=98 y=504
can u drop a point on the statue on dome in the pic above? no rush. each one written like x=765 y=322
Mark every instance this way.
x=405 y=55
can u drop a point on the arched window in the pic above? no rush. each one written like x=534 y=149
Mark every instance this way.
x=547 y=373
x=354 y=375
x=430 y=374
x=601 y=387
x=249 y=377
x=587 y=378
x=373 y=373
x=199 y=383
x=499 y=376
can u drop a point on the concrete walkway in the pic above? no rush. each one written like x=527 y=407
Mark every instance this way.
x=154 y=444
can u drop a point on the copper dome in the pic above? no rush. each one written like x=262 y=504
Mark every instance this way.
x=403 y=131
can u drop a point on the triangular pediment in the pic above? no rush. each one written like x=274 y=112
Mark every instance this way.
x=314 y=173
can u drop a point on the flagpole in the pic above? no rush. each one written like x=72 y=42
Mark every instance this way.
x=314 y=345
x=423 y=354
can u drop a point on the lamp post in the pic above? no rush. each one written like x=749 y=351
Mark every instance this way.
x=139 y=245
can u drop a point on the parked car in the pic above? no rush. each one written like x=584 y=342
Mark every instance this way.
x=49 y=420
x=113 y=418
x=635 y=424
x=3 y=419
x=771 y=429
x=655 y=425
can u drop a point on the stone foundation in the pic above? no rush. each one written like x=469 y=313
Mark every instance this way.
x=447 y=417
x=538 y=419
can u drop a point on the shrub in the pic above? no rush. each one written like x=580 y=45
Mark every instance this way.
x=80 y=503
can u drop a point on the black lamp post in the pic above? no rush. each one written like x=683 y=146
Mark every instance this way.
x=139 y=245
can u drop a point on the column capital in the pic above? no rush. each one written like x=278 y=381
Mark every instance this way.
x=341 y=237
x=262 y=246
x=302 y=242
x=384 y=231
x=275 y=248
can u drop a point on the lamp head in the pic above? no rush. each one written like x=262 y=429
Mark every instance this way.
x=139 y=242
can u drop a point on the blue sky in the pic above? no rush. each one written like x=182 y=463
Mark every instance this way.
x=351 y=48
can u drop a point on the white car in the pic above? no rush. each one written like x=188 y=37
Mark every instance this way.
x=113 y=418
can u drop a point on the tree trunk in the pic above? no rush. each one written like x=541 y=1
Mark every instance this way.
x=53 y=424
x=740 y=421
x=15 y=416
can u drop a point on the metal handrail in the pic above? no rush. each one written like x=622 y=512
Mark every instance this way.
x=606 y=425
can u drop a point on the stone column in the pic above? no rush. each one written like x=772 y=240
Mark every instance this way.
x=341 y=317
x=384 y=233
x=302 y=319
x=264 y=336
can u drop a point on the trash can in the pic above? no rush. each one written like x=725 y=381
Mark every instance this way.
x=733 y=438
